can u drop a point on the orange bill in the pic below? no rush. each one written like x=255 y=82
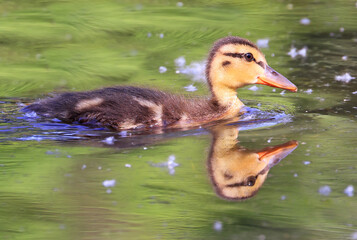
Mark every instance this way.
x=273 y=155
x=274 y=79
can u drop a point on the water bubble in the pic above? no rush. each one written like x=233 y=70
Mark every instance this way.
x=109 y=140
x=263 y=43
x=325 y=190
x=190 y=88
x=308 y=91
x=109 y=183
x=349 y=190
x=346 y=78
x=253 y=88
x=128 y=165
x=218 y=226
x=162 y=69
x=305 y=21
x=179 y=4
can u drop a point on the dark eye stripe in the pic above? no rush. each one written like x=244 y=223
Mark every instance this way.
x=241 y=55
x=235 y=55
x=260 y=63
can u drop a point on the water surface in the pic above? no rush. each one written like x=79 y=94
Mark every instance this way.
x=53 y=174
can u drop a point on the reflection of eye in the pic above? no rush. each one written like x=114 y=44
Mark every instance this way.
x=251 y=181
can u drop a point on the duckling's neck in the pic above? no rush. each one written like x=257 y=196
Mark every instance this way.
x=227 y=98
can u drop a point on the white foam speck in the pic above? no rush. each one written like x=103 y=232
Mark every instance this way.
x=354 y=235
x=99 y=168
x=179 y=4
x=355 y=92
x=253 y=88
x=290 y=6
x=109 y=183
x=180 y=61
x=109 y=191
x=190 y=88
x=282 y=93
x=346 y=78
x=296 y=175
x=344 y=58
x=307 y=162
x=84 y=166
x=149 y=35
x=218 y=226
x=349 y=190
x=325 y=190
x=195 y=71
x=283 y=197
x=305 y=21
x=294 y=52
x=162 y=69
x=128 y=165
x=269 y=140
x=31 y=114
x=308 y=91
x=145 y=148
x=303 y=52
x=109 y=140
x=342 y=29
x=170 y=164
x=123 y=133
x=161 y=35
x=274 y=90
x=263 y=43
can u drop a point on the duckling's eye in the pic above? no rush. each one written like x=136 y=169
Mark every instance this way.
x=249 y=57
x=251 y=181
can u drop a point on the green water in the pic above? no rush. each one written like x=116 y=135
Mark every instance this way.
x=52 y=174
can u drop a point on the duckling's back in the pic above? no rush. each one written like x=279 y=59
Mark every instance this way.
x=124 y=108
x=115 y=107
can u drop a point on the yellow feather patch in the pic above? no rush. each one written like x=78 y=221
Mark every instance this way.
x=88 y=103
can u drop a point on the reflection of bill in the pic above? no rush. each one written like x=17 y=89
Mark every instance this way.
x=238 y=173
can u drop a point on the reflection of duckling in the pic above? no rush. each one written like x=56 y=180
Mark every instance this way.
x=238 y=173
x=232 y=63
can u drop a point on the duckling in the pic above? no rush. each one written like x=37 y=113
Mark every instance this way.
x=233 y=62
x=236 y=172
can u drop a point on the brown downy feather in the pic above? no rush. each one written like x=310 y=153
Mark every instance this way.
x=126 y=107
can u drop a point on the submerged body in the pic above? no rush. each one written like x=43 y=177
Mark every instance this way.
x=233 y=62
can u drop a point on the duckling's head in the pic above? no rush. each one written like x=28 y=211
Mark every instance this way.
x=235 y=62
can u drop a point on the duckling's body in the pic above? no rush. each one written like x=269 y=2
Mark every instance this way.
x=127 y=108
x=233 y=62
